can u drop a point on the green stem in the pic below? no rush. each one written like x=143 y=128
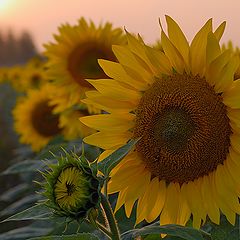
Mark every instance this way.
x=110 y=217
x=101 y=228
x=104 y=230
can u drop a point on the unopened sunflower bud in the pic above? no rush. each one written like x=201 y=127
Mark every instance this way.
x=71 y=187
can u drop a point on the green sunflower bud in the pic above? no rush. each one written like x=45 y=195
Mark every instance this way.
x=72 y=188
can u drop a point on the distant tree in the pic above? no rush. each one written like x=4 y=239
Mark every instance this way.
x=11 y=55
x=26 y=47
x=16 y=50
x=2 y=48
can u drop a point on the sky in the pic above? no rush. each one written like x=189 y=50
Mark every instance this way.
x=42 y=17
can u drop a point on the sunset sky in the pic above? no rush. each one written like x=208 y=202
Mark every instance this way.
x=42 y=17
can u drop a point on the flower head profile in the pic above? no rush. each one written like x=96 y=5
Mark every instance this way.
x=71 y=188
x=185 y=107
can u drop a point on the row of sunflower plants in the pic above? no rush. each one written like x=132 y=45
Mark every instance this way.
x=124 y=140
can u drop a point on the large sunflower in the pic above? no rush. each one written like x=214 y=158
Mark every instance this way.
x=185 y=106
x=73 y=58
x=34 y=120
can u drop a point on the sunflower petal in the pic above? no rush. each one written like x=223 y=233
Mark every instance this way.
x=198 y=49
x=227 y=75
x=220 y=30
x=231 y=97
x=103 y=122
x=213 y=48
x=172 y=53
x=178 y=39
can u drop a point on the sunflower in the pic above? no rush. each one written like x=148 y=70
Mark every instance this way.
x=73 y=58
x=34 y=120
x=185 y=107
x=34 y=74
x=71 y=188
x=15 y=77
x=73 y=128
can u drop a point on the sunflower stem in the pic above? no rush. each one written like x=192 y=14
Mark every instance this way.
x=104 y=230
x=110 y=217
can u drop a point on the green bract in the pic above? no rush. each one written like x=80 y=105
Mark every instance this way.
x=72 y=188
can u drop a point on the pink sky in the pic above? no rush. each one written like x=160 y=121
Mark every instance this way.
x=42 y=17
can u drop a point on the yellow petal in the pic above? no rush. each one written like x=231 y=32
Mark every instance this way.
x=159 y=60
x=231 y=97
x=198 y=49
x=156 y=203
x=120 y=199
x=135 y=191
x=172 y=53
x=170 y=210
x=178 y=39
x=209 y=201
x=107 y=140
x=213 y=48
x=195 y=203
x=235 y=142
x=147 y=202
x=126 y=58
x=117 y=72
x=226 y=210
x=214 y=69
x=137 y=47
x=226 y=195
x=227 y=75
x=109 y=122
x=234 y=115
x=113 y=89
x=219 y=31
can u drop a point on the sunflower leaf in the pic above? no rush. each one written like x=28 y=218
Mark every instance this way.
x=26 y=166
x=107 y=164
x=38 y=211
x=170 y=229
x=80 y=236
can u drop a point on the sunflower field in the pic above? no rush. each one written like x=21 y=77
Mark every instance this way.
x=119 y=139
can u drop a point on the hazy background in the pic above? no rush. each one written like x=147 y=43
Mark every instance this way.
x=41 y=17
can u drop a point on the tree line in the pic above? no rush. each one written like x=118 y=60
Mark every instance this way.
x=16 y=49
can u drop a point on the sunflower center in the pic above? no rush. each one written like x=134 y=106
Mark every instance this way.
x=82 y=62
x=35 y=80
x=184 y=128
x=71 y=188
x=44 y=121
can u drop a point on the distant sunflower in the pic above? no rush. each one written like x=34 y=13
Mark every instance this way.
x=73 y=128
x=15 y=76
x=34 y=120
x=73 y=58
x=185 y=106
x=34 y=74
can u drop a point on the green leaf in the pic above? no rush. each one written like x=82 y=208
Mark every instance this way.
x=39 y=211
x=107 y=164
x=24 y=233
x=26 y=166
x=170 y=229
x=21 y=204
x=14 y=192
x=80 y=236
